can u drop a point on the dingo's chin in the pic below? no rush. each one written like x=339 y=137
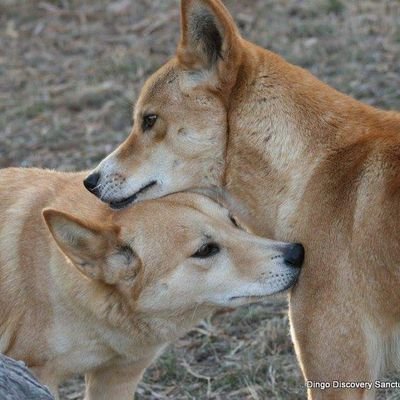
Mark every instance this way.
x=280 y=284
x=118 y=204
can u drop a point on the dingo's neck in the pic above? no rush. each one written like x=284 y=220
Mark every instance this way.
x=288 y=122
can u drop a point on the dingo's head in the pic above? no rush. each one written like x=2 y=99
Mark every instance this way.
x=179 y=136
x=177 y=254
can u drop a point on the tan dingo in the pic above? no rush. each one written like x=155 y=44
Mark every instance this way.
x=119 y=286
x=312 y=165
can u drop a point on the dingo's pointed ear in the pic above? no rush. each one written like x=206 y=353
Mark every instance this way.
x=210 y=40
x=94 y=249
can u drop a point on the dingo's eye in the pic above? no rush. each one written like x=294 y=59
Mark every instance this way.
x=207 y=250
x=149 y=121
x=234 y=221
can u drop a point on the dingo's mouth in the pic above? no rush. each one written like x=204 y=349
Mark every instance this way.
x=119 y=204
x=256 y=298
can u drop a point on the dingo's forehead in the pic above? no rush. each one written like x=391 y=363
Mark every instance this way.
x=162 y=81
x=174 y=226
x=171 y=86
x=180 y=210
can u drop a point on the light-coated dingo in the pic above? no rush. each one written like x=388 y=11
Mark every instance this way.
x=312 y=164
x=86 y=290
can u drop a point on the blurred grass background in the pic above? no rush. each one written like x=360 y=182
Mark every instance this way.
x=69 y=74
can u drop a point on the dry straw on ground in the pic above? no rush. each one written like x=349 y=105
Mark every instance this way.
x=69 y=73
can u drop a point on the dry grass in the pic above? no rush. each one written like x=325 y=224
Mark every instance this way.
x=69 y=72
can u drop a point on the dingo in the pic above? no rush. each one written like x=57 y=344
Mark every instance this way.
x=102 y=293
x=312 y=165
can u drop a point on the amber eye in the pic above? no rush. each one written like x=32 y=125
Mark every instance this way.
x=149 y=121
x=207 y=250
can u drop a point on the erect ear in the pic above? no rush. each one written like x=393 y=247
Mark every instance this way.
x=94 y=249
x=210 y=40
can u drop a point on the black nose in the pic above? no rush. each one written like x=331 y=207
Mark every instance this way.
x=91 y=183
x=294 y=255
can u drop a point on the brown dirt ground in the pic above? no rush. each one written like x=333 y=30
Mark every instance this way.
x=69 y=73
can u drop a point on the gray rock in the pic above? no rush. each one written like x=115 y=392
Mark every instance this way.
x=18 y=383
